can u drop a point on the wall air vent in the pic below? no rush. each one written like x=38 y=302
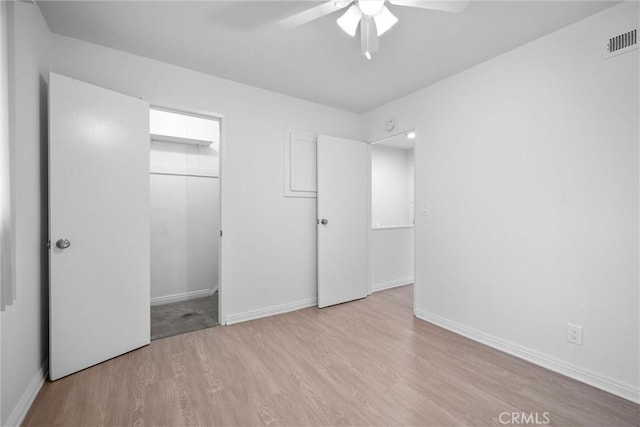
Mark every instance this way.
x=621 y=44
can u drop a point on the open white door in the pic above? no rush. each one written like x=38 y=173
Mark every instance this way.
x=98 y=224
x=343 y=210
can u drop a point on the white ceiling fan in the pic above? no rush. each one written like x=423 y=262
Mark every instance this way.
x=373 y=17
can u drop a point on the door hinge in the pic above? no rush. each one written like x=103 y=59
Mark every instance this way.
x=220 y=233
x=48 y=244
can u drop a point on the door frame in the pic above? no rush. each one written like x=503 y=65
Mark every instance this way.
x=221 y=150
x=370 y=254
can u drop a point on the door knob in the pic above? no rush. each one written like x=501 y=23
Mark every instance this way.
x=324 y=221
x=63 y=243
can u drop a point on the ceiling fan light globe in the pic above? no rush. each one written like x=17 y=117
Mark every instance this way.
x=384 y=21
x=370 y=7
x=349 y=20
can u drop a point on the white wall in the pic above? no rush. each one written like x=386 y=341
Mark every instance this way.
x=392 y=257
x=185 y=221
x=24 y=324
x=529 y=166
x=269 y=256
x=391 y=182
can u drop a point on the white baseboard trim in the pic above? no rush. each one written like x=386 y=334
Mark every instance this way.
x=182 y=297
x=26 y=400
x=391 y=284
x=602 y=382
x=213 y=290
x=270 y=311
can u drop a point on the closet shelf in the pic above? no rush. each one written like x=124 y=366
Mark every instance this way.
x=182 y=140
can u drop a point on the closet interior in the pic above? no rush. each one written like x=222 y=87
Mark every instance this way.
x=185 y=221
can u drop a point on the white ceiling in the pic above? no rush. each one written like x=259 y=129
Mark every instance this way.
x=240 y=40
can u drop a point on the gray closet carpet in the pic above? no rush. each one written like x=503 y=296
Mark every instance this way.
x=177 y=318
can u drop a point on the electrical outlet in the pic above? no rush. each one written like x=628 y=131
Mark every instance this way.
x=574 y=334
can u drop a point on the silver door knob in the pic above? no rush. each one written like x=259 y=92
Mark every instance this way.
x=324 y=221
x=63 y=243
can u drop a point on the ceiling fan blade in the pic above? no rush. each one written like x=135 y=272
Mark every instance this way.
x=442 y=5
x=368 y=37
x=384 y=20
x=350 y=20
x=314 y=13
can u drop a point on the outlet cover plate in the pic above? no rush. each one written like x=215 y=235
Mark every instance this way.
x=574 y=334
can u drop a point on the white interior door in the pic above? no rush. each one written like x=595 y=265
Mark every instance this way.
x=99 y=208
x=343 y=210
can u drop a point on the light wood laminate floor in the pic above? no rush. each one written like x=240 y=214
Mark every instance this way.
x=369 y=362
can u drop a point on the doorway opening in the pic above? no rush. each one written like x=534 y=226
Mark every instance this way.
x=392 y=211
x=185 y=221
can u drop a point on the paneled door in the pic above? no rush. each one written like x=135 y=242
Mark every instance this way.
x=98 y=224
x=343 y=211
